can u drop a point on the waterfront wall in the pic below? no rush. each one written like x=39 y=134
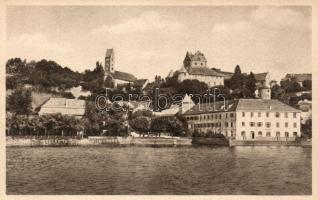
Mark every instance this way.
x=97 y=141
x=210 y=141
x=266 y=143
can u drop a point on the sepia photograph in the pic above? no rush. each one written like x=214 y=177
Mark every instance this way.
x=158 y=100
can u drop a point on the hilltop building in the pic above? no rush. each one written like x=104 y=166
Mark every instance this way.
x=300 y=78
x=246 y=119
x=195 y=68
x=262 y=79
x=117 y=77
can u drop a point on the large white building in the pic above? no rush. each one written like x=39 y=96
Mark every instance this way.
x=195 y=68
x=246 y=119
x=72 y=107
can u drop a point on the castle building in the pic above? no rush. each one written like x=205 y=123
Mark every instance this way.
x=117 y=77
x=195 y=68
x=246 y=119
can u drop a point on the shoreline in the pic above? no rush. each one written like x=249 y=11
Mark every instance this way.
x=144 y=142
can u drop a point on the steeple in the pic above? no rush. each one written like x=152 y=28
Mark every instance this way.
x=109 y=61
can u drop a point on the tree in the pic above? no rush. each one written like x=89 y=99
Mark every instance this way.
x=140 y=124
x=307 y=84
x=19 y=102
x=237 y=80
x=251 y=85
x=290 y=85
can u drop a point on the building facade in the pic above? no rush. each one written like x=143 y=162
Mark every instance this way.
x=195 y=68
x=246 y=119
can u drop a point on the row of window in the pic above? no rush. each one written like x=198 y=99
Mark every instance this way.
x=211 y=116
x=268 y=134
x=232 y=115
x=206 y=125
x=268 y=124
x=277 y=114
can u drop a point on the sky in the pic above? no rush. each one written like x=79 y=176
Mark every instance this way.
x=151 y=41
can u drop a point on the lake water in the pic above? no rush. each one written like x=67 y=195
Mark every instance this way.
x=146 y=170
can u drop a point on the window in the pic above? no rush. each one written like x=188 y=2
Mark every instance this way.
x=286 y=134
x=267 y=114
x=277 y=134
x=286 y=124
x=211 y=116
x=204 y=117
x=252 y=114
x=295 y=134
x=252 y=124
x=243 y=114
x=231 y=124
x=260 y=134
x=232 y=115
x=243 y=123
x=268 y=124
x=259 y=114
x=286 y=115
x=295 y=125
x=277 y=124
x=277 y=114
x=220 y=116
x=268 y=134
x=243 y=133
x=294 y=114
x=259 y=124
x=226 y=115
x=226 y=124
x=208 y=116
x=232 y=134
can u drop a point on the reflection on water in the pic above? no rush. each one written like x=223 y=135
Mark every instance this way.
x=137 y=170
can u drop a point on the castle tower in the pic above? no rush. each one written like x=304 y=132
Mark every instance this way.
x=194 y=60
x=109 y=61
x=264 y=93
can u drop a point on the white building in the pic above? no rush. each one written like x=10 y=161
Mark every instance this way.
x=195 y=68
x=246 y=119
x=117 y=77
x=73 y=107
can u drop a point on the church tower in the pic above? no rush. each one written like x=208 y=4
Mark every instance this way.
x=109 y=61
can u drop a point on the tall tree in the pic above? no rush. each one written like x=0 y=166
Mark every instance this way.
x=20 y=102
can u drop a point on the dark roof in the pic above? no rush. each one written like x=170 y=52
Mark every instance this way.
x=204 y=71
x=260 y=76
x=299 y=77
x=140 y=82
x=149 y=86
x=109 y=52
x=198 y=56
x=264 y=105
x=212 y=107
x=124 y=76
x=241 y=105
x=227 y=75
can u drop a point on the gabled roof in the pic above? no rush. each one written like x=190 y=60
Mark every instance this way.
x=64 y=106
x=149 y=86
x=140 y=82
x=270 y=105
x=299 y=77
x=260 y=76
x=264 y=105
x=124 y=76
x=204 y=71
